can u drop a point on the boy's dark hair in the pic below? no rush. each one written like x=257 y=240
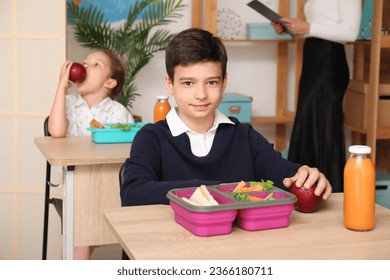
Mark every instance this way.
x=117 y=72
x=194 y=45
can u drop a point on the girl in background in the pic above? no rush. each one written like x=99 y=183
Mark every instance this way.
x=71 y=114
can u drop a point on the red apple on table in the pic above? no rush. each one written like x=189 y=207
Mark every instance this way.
x=77 y=72
x=307 y=201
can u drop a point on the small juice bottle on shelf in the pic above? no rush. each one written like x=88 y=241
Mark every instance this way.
x=359 y=189
x=161 y=108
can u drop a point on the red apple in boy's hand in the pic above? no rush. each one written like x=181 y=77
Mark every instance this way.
x=77 y=72
x=307 y=201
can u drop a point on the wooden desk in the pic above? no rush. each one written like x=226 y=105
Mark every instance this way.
x=90 y=185
x=149 y=232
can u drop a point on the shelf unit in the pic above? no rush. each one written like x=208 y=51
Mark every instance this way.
x=204 y=15
x=367 y=101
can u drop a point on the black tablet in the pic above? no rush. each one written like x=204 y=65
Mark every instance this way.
x=268 y=13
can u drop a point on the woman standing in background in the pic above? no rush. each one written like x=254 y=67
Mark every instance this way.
x=318 y=133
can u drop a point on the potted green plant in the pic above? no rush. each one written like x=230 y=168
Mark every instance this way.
x=133 y=40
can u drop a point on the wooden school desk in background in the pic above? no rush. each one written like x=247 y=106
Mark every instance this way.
x=90 y=185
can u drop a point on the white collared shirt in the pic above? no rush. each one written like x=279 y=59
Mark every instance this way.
x=200 y=143
x=79 y=114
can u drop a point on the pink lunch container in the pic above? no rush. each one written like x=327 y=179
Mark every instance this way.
x=219 y=219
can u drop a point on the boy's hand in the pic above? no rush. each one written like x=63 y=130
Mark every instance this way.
x=306 y=177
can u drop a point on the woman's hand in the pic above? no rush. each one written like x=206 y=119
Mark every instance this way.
x=296 y=26
x=306 y=177
x=279 y=29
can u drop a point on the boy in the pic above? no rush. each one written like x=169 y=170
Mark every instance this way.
x=197 y=144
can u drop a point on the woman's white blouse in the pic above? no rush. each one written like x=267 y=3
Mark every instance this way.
x=334 y=20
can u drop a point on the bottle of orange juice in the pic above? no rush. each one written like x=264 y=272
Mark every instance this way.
x=359 y=189
x=161 y=108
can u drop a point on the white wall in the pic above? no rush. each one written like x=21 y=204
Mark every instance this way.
x=32 y=44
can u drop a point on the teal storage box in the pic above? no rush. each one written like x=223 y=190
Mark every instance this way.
x=263 y=31
x=236 y=105
x=365 y=32
x=115 y=135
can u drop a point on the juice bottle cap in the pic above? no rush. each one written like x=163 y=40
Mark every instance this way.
x=359 y=149
x=163 y=97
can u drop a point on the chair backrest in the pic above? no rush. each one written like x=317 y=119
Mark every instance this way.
x=46 y=127
x=121 y=170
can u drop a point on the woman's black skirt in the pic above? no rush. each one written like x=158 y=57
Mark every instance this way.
x=317 y=138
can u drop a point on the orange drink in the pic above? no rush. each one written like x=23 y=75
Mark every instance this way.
x=359 y=189
x=161 y=108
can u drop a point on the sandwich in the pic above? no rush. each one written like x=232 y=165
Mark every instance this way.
x=95 y=124
x=201 y=197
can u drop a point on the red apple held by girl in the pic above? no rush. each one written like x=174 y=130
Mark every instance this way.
x=307 y=201
x=77 y=72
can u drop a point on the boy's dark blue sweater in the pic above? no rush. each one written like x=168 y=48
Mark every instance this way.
x=159 y=162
